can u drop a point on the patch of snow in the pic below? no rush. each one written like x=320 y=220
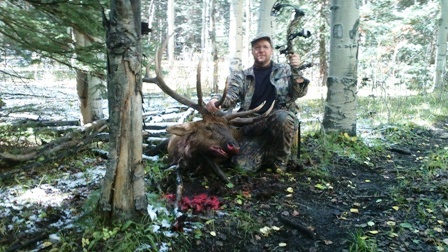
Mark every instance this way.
x=34 y=218
x=154 y=211
x=155 y=228
x=169 y=234
x=166 y=223
x=58 y=224
x=55 y=237
x=27 y=206
x=144 y=247
x=45 y=195
x=151 y=158
x=164 y=247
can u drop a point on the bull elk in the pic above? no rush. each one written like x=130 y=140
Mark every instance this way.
x=201 y=144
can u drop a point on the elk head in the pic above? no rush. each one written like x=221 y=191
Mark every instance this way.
x=209 y=140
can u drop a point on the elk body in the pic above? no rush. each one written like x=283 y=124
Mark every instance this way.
x=206 y=143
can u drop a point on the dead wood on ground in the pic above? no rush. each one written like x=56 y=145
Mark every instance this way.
x=73 y=141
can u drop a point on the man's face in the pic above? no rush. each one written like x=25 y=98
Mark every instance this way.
x=262 y=52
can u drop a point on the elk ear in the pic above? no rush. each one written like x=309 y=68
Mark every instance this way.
x=181 y=129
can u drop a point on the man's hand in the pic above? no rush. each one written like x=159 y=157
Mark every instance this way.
x=211 y=106
x=294 y=62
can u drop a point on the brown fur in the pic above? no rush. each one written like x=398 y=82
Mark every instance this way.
x=192 y=141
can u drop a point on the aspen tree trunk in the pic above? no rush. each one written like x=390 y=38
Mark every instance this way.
x=205 y=32
x=214 y=48
x=123 y=191
x=323 y=62
x=248 y=26
x=206 y=45
x=264 y=17
x=171 y=27
x=236 y=35
x=441 y=49
x=340 y=104
x=151 y=11
x=88 y=87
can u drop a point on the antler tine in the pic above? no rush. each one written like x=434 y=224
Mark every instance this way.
x=224 y=93
x=159 y=58
x=159 y=81
x=237 y=118
x=201 y=103
x=230 y=117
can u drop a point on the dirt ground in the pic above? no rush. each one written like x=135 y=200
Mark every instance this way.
x=375 y=203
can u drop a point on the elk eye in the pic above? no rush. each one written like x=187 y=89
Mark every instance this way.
x=208 y=128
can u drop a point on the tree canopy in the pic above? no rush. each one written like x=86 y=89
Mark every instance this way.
x=397 y=39
x=37 y=31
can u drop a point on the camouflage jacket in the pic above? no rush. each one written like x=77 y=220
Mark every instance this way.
x=242 y=86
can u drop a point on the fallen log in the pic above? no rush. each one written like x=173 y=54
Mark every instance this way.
x=156 y=133
x=22 y=245
x=155 y=140
x=159 y=126
x=71 y=140
x=158 y=149
x=38 y=123
x=185 y=115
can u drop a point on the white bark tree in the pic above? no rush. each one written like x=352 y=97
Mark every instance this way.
x=441 y=48
x=236 y=35
x=88 y=87
x=171 y=27
x=151 y=10
x=341 y=102
x=246 y=53
x=322 y=35
x=264 y=17
x=205 y=26
x=214 y=48
x=123 y=190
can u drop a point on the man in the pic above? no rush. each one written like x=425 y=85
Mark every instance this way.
x=267 y=142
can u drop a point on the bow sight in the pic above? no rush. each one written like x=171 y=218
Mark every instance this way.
x=277 y=8
x=298 y=13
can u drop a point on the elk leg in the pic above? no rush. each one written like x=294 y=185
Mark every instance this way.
x=217 y=170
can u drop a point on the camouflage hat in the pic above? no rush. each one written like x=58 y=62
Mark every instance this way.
x=260 y=36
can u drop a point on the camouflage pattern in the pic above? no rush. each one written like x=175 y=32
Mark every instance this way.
x=269 y=141
x=242 y=87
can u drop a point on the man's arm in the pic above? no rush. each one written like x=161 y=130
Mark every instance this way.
x=234 y=91
x=299 y=84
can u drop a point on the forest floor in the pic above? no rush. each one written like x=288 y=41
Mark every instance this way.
x=395 y=199
x=393 y=202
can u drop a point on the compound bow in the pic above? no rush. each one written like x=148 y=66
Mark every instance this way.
x=293 y=28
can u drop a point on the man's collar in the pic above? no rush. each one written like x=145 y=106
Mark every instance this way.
x=263 y=68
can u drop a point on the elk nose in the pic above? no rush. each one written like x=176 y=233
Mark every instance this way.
x=234 y=149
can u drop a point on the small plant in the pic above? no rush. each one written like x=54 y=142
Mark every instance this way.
x=331 y=146
x=243 y=222
x=150 y=233
x=438 y=160
x=361 y=243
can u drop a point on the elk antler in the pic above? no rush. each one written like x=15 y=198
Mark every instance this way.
x=235 y=118
x=223 y=97
x=199 y=91
x=159 y=81
x=239 y=119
